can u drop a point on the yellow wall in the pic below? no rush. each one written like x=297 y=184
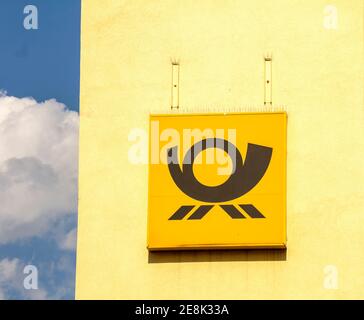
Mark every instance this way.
x=127 y=47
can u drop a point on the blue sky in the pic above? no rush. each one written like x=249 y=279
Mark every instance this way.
x=39 y=65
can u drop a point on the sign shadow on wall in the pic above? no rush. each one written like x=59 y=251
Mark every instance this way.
x=217 y=255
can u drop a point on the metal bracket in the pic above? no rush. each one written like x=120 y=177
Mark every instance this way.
x=268 y=79
x=175 y=85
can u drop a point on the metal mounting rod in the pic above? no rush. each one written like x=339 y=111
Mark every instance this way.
x=175 y=85
x=268 y=79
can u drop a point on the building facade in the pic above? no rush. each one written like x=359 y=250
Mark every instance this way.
x=317 y=53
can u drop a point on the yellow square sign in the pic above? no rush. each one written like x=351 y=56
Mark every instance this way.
x=217 y=181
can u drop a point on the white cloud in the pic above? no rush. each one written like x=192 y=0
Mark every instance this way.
x=11 y=280
x=8 y=271
x=69 y=241
x=38 y=167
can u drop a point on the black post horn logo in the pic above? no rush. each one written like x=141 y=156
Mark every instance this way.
x=245 y=176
